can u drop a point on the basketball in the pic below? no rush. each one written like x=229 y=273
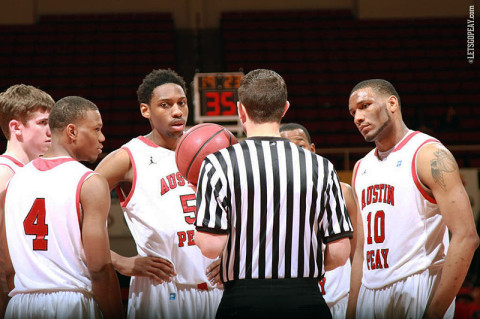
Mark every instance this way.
x=196 y=144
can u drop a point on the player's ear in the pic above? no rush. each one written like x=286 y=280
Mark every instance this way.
x=287 y=105
x=15 y=127
x=72 y=132
x=392 y=103
x=312 y=147
x=242 y=113
x=145 y=110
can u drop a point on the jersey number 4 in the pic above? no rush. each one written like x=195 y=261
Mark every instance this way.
x=34 y=224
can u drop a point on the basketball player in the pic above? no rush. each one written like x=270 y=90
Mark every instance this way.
x=169 y=278
x=408 y=192
x=273 y=210
x=336 y=283
x=55 y=216
x=24 y=113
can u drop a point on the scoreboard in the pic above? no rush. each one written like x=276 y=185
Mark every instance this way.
x=215 y=96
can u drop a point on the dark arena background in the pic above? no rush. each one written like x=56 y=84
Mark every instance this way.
x=102 y=49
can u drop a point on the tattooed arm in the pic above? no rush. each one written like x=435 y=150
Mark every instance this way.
x=438 y=171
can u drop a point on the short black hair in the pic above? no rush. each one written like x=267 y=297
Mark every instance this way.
x=157 y=78
x=295 y=126
x=379 y=85
x=68 y=110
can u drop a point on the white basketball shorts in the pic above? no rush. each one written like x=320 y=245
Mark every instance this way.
x=407 y=298
x=60 y=305
x=149 y=299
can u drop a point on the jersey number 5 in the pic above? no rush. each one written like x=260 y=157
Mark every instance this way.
x=190 y=211
x=34 y=224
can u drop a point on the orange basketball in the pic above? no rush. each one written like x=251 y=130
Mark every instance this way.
x=196 y=144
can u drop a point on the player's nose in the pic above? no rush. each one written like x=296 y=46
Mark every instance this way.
x=101 y=137
x=176 y=111
x=359 y=117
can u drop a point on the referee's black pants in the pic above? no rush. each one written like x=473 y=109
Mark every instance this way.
x=273 y=298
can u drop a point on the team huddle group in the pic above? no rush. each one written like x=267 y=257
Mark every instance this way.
x=272 y=232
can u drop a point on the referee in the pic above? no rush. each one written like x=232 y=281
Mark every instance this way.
x=273 y=210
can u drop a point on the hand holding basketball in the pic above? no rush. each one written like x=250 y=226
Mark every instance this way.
x=196 y=144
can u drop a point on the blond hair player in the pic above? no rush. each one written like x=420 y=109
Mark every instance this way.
x=24 y=113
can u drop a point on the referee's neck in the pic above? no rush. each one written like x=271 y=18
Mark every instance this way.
x=263 y=129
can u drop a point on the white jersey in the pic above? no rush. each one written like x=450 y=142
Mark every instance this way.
x=42 y=218
x=160 y=211
x=13 y=165
x=403 y=228
x=335 y=285
x=10 y=162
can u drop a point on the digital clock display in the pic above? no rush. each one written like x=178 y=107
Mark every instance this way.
x=216 y=96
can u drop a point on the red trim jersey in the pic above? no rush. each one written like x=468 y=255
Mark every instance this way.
x=335 y=285
x=42 y=218
x=404 y=231
x=160 y=211
x=10 y=162
x=13 y=165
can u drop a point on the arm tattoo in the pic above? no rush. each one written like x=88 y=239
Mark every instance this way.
x=443 y=162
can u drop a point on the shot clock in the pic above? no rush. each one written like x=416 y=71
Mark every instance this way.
x=216 y=97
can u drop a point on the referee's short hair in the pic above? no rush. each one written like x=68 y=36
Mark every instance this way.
x=263 y=93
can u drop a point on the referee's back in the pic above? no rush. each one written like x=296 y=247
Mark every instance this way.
x=274 y=212
x=280 y=205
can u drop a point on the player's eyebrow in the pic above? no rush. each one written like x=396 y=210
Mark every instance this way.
x=363 y=100
x=170 y=99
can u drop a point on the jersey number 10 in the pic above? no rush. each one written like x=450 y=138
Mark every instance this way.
x=378 y=227
x=34 y=224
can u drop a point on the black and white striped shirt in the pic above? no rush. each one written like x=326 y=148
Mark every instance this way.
x=279 y=204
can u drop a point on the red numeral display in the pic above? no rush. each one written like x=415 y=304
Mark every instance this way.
x=220 y=103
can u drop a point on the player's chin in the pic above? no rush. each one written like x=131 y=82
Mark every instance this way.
x=92 y=159
x=176 y=133
x=44 y=147
x=370 y=136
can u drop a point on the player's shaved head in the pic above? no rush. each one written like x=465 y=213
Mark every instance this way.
x=380 y=86
x=68 y=110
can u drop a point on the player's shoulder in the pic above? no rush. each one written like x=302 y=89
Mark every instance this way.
x=95 y=184
x=116 y=166
x=6 y=173
x=345 y=187
x=415 y=140
x=117 y=157
x=435 y=153
x=427 y=145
